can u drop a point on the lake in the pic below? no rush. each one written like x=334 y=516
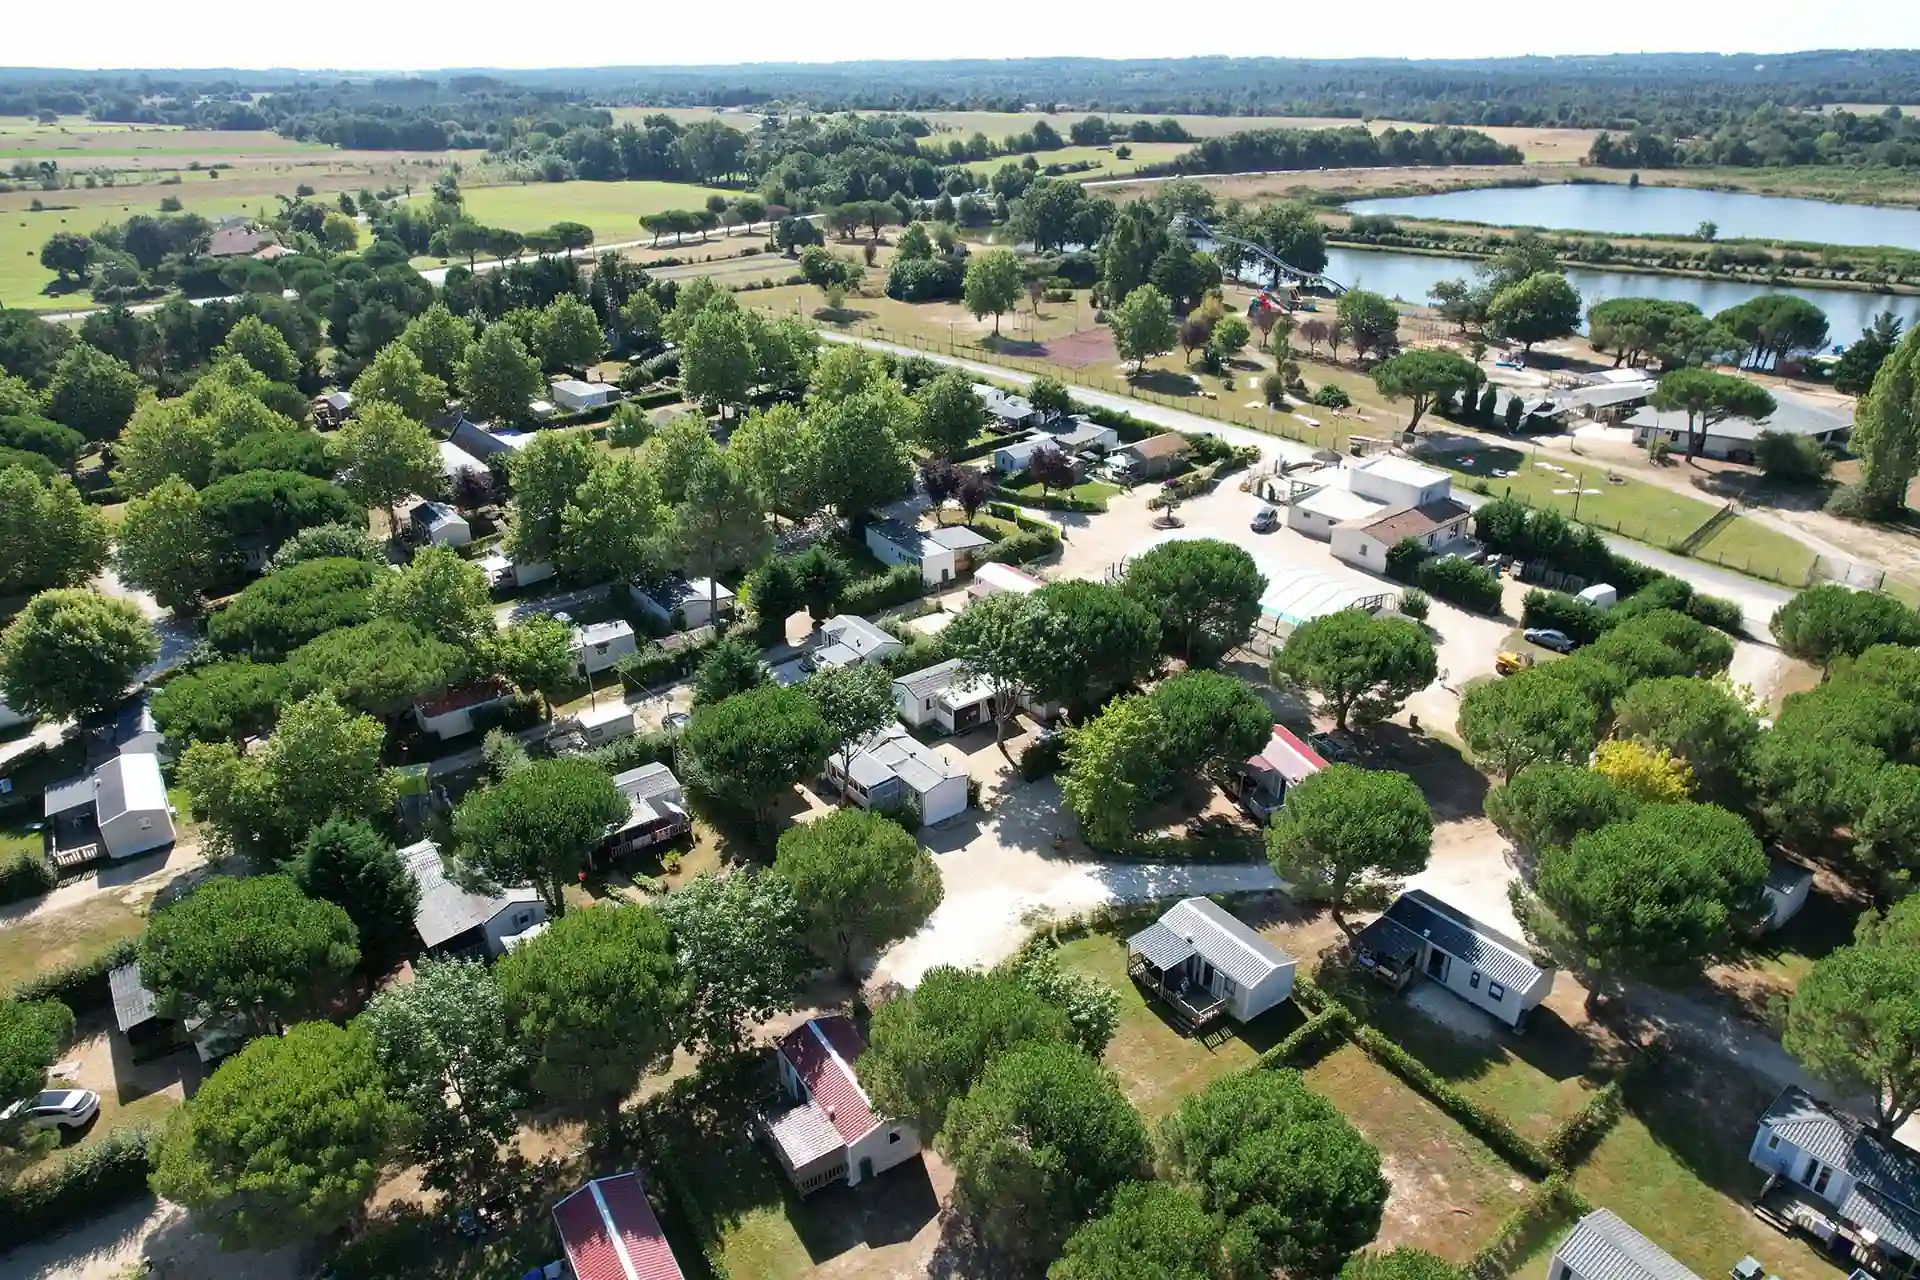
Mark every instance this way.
x=1617 y=209
x=1410 y=275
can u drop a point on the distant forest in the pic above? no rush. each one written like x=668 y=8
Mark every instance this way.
x=1658 y=109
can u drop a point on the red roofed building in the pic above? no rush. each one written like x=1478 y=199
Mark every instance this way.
x=831 y=1134
x=1262 y=784
x=609 y=1232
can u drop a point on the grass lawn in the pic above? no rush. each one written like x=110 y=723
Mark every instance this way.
x=1157 y=1065
x=1108 y=165
x=1641 y=511
x=1096 y=492
x=1449 y=1190
x=612 y=209
x=1753 y=548
x=49 y=939
x=19 y=839
x=1675 y=1166
x=1535 y=1082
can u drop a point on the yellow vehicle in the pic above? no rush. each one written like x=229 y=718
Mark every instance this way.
x=1508 y=663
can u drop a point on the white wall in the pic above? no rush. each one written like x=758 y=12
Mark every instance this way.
x=517 y=918
x=137 y=832
x=1359 y=548
x=1460 y=979
x=878 y=1147
x=947 y=798
x=1314 y=524
x=1250 y=1002
x=1792 y=1163
x=1785 y=905
x=1394 y=492
x=591 y=660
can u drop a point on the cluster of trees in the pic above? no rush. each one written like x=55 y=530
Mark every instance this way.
x=1354 y=147
x=1772 y=137
x=718 y=212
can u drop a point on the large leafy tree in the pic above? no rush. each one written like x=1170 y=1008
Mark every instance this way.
x=571 y=336
x=1828 y=622
x=1357 y=665
x=547 y=475
x=1403 y=1263
x=165 y=439
x=1086 y=641
x=386 y=456
x=1886 y=835
x=220 y=702
x=49 y=535
x=1371 y=322
x=863 y=464
x=1282 y=1166
x=168 y=547
x=778 y=449
x=1539 y=308
x=928 y=1046
x=1115 y=766
x=285 y=1141
x=92 y=392
x=321 y=759
x=1143 y=326
x=1039 y=1145
x=396 y=376
x=598 y=1000
x=616 y=525
x=1864 y=355
x=1345 y=824
x=738 y=939
x=1548 y=804
x=441 y=340
x=861 y=881
x=717 y=364
x=1660 y=893
x=71 y=651
x=1707 y=397
x=1526 y=718
x=443 y=1043
x=731 y=666
x=1206 y=594
x=538 y=826
x=1208 y=718
x=262 y=509
x=535 y=653
x=1423 y=376
x=749 y=749
x=1775 y=326
x=348 y=863
x=441 y=594
x=718 y=526
x=499 y=377
x=992 y=284
x=855 y=702
x=380 y=667
x=290 y=606
x=1886 y=431
x=1663 y=642
x=951 y=415
x=256 y=949
x=1152 y=1231
x=1704 y=723
x=1815 y=769
x=1854 y=1020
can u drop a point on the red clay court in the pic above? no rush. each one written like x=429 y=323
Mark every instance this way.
x=1078 y=350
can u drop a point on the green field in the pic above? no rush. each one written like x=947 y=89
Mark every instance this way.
x=1110 y=165
x=612 y=209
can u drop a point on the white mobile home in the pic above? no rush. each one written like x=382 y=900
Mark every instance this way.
x=892 y=769
x=656 y=809
x=944 y=698
x=994 y=578
x=683 y=603
x=831 y=1134
x=450 y=714
x=455 y=921
x=1788 y=886
x=574 y=396
x=1602 y=1246
x=1831 y=1175
x=601 y=645
x=1204 y=962
x=1421 y=936
x=849 y=640
x=602 y=724
x=941 y=554
x=121 y=807
x=441 y=525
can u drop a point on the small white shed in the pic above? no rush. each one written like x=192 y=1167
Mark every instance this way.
x=573 y=395
x=130 y=804
x=442 y=525
x=602 y=645
x=603 y=723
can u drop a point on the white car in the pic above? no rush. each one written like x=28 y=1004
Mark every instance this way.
x=55 y=1108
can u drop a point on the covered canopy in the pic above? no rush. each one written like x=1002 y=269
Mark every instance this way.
x=1163 y=948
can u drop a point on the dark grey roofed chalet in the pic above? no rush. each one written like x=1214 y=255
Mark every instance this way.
x=928 y=681
x=1603 y=1247
x=1885 y=1198
x=1465 y=939
x=74 y=793
x=1160 y=945
x=132 y=1001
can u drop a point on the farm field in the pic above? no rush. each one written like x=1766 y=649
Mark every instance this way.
x=76 y=139
x=1109 y=164
x=612 y=209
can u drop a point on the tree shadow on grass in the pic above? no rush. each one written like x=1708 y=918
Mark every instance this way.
x=1453 y=787
x=1702 y=1116
x=841 y=315
x=1025 y=348
x=1164 y=382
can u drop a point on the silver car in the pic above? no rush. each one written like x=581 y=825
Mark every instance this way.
x=55 y=1108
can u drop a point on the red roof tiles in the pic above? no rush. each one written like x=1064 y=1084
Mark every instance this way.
x=1287 y=756
x=823 y=1051
x=609 y=1232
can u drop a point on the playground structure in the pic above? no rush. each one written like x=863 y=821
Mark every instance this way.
x=1194 y=229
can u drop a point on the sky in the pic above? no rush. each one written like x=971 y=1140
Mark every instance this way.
x=415 y=35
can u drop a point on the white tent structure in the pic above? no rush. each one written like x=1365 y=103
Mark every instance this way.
x=1294 y=594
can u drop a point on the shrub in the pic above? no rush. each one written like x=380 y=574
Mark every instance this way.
x=1309 y=1041
x=1791 y=459
x=1405 y=557
x=1043 y=757
x=1329 y=396
x=1468 y=585
x=26 y=875
x=655 y=663
x=1558 y=611
x=1415 y=604
x=1582 y=1131
x=78 y=1186
x=631 y=752
x=1019 y=548
x=1724 y=615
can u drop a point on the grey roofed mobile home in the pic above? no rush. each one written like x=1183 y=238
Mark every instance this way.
x=1602 y=1246
x=1421 y=936
x=459 y=919
x=1867 y=1184
x=1198 y=943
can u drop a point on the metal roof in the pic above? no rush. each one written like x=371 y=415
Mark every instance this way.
x=132 y=1001
x=1226 y=941
x=1886 y=1195
x=609 y=1232
x=1401 y=470
x=1465 y=939
x=128 y=783
x=822 y=1052
x=928 y=681
x=446 y=910
x=804 y=1134
x=647 y=782
x=893 y=752
x=1160 y=945
x=956 y=537
x=1800 y=1118
x=1287 y=756
x=602 y=632
x=851 y=631
x=1890 y=1222
x=64 y=797
x=1603 y=1247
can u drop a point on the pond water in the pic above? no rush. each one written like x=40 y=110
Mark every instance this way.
x=1617 y=209
x=1409 y=276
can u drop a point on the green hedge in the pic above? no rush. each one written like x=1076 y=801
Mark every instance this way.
x=655 y=397
x=1310 y=995
x=882 y=591
x=1307 y=1043
x=79 y=1186
x=981 y=449
x=1558 y=611
x=1477 y=1120
x=653 y=664
x=1452 y=579
x=26 y=875
x=1552 y=1203
x=81 y=985
x=1047 y=501
x=1581 y=1132
x=635 y=750
x=1230 y=848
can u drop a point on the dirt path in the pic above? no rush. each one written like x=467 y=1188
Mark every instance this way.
x=113 y=1246
x=137 y=882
